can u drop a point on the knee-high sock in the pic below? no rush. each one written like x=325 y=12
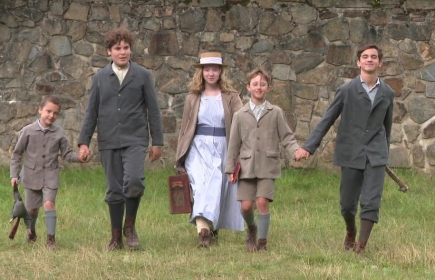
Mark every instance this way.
x=34 y=218
x=131 y=207
x=350 y=224
x=366 y=229
x=116 y=212
x=250 y=219
x=50 y=221
x=263 y=225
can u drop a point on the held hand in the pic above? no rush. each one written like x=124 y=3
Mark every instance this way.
x=14 y=181
x=301 y=154
x=155 y=153
x=84 y=152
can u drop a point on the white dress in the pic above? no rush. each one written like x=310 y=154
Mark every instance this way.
x=214 y=197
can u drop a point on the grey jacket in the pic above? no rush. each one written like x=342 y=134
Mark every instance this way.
x=257 y=143
x=39 y=152
x=363 y=132
x=125 y=114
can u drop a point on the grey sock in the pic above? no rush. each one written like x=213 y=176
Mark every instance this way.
x=263 y=225
x=50 y=221
x=250 y=219
x=33 y=222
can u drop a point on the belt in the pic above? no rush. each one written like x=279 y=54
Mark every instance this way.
x=210 y=130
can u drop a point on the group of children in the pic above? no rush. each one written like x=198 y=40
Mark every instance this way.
x=255 y=130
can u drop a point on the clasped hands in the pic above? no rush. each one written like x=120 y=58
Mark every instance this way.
x=301 y=154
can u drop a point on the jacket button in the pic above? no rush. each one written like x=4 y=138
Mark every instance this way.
x=43 y=156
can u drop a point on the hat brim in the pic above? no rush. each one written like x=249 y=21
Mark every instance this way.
x=198 y=65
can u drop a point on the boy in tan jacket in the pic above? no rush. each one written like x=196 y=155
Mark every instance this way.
x=256 y=132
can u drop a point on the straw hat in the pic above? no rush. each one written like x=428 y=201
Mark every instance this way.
x=210 y=58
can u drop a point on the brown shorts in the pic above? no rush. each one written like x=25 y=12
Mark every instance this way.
x=36 y=198
x=250 y=189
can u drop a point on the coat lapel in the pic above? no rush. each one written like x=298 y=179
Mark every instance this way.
x=380 y=94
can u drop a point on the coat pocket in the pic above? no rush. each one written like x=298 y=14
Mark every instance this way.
x=272 y=154
x=245 y=155
x=30 y=164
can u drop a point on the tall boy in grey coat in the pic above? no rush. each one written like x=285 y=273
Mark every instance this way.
x=365 y=105
x=123 y=106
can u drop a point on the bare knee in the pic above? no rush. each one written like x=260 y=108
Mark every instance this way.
x=49 y=205
x=262 y=205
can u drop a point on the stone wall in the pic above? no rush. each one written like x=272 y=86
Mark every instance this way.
x=55 y=46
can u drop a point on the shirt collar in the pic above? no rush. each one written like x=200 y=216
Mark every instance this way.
x=43 y=128
x=378 y=82
x=252 y=105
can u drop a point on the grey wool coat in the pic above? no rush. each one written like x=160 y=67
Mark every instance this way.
x=125 y=115
x=256 y=144
x=38 y=152
x=364 y=130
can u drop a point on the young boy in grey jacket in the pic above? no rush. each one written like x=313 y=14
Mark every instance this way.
x=37 y=149
x=257 y=130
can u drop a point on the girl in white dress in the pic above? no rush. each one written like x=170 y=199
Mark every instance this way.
x=202 y=149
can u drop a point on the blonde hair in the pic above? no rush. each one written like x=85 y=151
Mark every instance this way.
x=197 y=85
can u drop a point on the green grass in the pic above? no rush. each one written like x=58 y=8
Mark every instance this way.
x=305 y=240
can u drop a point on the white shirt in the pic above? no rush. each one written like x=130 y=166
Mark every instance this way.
x=257 y=109
x=120 y=72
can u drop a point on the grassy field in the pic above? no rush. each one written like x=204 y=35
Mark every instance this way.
x=305 y=240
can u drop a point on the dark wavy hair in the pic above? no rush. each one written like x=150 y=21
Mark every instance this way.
x=115 y=36
x=362 y=48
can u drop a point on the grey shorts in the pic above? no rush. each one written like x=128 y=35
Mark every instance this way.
x=36 y=198
x=250 y=189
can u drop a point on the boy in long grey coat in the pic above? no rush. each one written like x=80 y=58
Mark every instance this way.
x=365 y=105
x=123 y=106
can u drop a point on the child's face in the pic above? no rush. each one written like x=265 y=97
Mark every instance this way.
x=49 y=114
x=211 y=73
x=258 y=87
x=120 y=53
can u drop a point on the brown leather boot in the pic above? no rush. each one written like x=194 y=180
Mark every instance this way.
x=262 y=244
x=360 y=248
x=31 y=235
x=204 y=238
x=51 y=242
x=116 y=241
x=349 y=240
x=130 y=234
x=251 y=239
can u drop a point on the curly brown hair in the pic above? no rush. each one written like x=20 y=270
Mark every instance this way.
x=115 y=36
x=197 y=85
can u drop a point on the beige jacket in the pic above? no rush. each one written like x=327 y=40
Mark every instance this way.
x=231 y=103
x=257 y=143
